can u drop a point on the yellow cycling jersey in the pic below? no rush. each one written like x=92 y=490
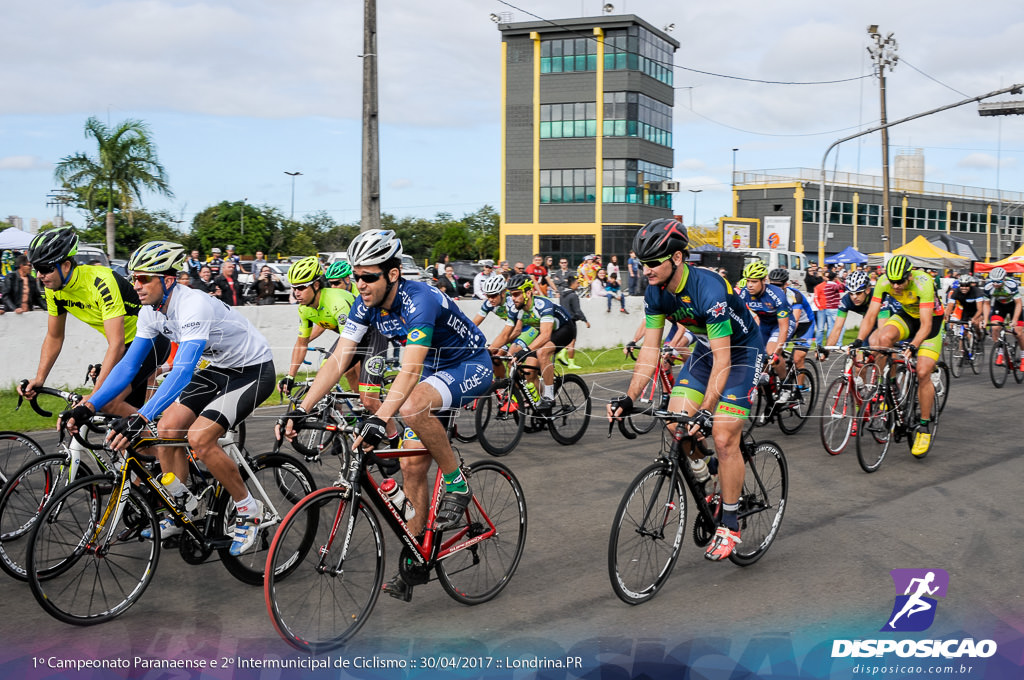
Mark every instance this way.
x=918 y=294
x=94 y=294
x=331 y=313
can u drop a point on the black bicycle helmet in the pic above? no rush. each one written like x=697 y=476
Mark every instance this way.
x=659 y=239
x=53 y=246
x=520 y=282
x=779 y=275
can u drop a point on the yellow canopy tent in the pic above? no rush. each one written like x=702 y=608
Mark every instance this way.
x=1013 y=264
x=923 y=253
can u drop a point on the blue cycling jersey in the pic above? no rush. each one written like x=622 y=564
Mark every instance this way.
x=796 y=300
x=421 y=315
x=542 y=310
x=771 y=305
x=707 y=305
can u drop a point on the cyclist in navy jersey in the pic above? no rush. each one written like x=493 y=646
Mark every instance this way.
x=802 y=319
x=547 y=327
x=445 y=362
x=771 y=308
x=714 y=385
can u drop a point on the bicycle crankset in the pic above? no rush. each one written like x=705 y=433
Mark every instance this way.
x=413 y=573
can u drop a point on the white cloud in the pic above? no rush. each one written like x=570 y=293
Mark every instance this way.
x=400 y=183
x=24 y=163
x=977 y=161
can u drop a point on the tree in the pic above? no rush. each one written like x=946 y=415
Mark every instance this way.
x=126 y=165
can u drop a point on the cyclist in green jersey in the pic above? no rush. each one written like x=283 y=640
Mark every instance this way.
x=97 y=296
x=920 y=321
x=338 y=275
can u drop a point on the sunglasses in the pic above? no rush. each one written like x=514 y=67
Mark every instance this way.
x=651 y=264
x=143 y=278
x=336 y=283
x=302 y=286
x=45 y=269
x=368 y=278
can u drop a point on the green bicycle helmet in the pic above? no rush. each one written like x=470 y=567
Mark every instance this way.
x=755 y=270
x=338 y=270
x=897 y=268
x=306 y=270
x=157 y=257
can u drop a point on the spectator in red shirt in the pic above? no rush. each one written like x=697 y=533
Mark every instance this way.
x=539 y=273
x=826 y=298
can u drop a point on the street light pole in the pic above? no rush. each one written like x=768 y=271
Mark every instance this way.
x=293 y=176
x=243 y=215
x=695 y=192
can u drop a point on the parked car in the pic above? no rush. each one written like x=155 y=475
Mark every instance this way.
x=91 y=255
x=280 y=269
x=465 y=271
x=118 y=266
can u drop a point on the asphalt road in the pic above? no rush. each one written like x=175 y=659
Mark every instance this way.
x=825 y=577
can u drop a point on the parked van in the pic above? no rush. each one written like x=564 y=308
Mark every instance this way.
x=795 y=262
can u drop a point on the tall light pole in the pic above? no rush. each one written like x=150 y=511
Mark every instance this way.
x=695 y=192
x=293 y=176
x=732 y=179
x=243 y=215
x=883 y=53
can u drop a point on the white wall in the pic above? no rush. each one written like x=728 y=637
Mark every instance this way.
x=21 y=336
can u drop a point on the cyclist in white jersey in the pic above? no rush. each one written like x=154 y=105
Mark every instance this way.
x=222 y=371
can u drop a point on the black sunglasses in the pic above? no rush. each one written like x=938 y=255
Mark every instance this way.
x=334 y=283
x=368 y=278
x=44 y=269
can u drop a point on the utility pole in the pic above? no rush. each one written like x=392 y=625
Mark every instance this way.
x=883 y=53
x=293 y=176
x=370 y=209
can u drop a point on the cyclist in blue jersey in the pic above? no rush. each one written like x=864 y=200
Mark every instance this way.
x=497 y=302
x=802 y=320
x=715 y=383
x=772 y=311
x=445 y=363
x=555 y=330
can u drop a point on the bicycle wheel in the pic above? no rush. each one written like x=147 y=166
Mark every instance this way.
x=874 y=432
x=651 y=397
x=285 y=481
x=466 y=434
x=998 y=371
x=21 y=501
x=973 y=352
x=838 y=410
x=16 y=450
x=941 y=381
x=758 y=408
x=1018 y=374
x=794 y=414
x=571 y=413
x=81 y=571
x=478 y=573
x=327 y=596
x=310 y=442
x=647 y=533
x=762 y=502
x=954 y=356
x=499 y=420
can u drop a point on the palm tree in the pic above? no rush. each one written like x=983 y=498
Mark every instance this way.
x=127 y=165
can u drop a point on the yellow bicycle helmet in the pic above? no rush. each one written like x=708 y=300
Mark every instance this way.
x=755 y=270
x=897 y=268
x=305 y=270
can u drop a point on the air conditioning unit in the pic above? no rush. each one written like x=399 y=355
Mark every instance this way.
x=670 y=186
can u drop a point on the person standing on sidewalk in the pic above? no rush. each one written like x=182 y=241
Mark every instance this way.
x=570 y=300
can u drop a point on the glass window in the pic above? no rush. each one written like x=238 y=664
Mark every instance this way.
x=568 y=185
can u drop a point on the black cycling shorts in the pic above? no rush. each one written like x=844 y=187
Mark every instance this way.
x=154 y=359
x=372 y=352
x=228 y=395
x=564 y=335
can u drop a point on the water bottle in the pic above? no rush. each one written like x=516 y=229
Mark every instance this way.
x=700 y=471
x=531 y=389
x=393 y=492
x=183 y=498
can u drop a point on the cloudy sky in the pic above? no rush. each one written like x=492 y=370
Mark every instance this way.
x=239 y=91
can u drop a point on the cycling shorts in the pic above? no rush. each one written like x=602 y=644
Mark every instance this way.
x=771 y=333
x=1004 y=310
x=693 y=377
x=804 y=331
x=228 y=396
x=909 y=326
x=153 y=360
x=996 y=318
x=463 y=382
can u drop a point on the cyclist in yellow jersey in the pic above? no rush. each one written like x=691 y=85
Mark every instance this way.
x=920 y=322
x=99 y=297
x=322 y=308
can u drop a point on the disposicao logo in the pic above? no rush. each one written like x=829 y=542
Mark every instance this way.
x=914 y=610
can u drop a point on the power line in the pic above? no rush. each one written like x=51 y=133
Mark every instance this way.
x=903 y=59
x=772 y=134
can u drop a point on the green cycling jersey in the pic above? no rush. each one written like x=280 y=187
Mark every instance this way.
x=94 y=294
x=331 y=313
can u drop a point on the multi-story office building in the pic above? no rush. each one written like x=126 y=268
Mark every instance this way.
x=586 y=134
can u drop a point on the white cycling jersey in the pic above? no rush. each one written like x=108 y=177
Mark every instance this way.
x=231 y=341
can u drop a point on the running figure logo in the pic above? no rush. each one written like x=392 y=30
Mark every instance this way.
x=916 y=590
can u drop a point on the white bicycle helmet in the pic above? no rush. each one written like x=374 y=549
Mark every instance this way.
x=157 y=257
x=857 y=281
x=374 y=247
x=997 y=274
x=493 y=285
